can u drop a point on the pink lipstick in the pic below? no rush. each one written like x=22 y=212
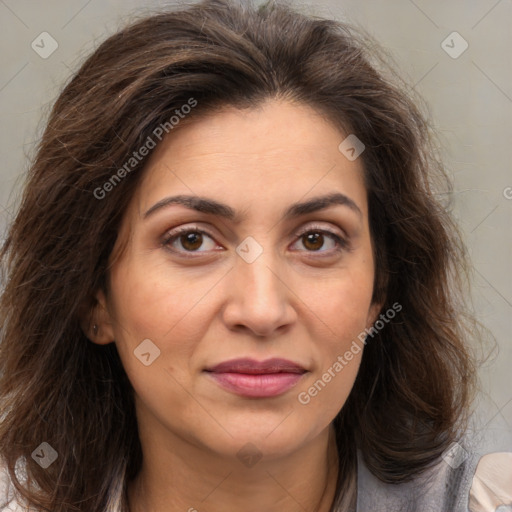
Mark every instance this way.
x=257 y=379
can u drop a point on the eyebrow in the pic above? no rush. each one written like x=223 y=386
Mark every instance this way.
x=210 y=206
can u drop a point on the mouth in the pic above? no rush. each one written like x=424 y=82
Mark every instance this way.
x=257 y=379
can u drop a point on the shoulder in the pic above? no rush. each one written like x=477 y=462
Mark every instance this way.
x=492 y=483
x=7 y=501
x=10 y=502
x=461 y=481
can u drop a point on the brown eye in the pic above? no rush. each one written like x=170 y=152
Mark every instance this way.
x=189 y=240
x=313 y=241
x=321 y=241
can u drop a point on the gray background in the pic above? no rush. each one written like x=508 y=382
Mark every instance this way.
x=470 y=99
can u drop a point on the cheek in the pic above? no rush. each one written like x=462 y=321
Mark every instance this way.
x=160 y=307
x=142 y=309
x=342 y=303
x=348 y=314
x=341 y=306
x=326 y=393
x=157 y=302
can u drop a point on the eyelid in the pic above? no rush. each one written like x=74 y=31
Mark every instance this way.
x=319 y=227
x=174 y=233
x=340 y=239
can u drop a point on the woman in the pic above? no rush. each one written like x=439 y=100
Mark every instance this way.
x=230 y=285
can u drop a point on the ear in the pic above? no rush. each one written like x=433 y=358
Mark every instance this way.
x=97 y=322
x=373 y=313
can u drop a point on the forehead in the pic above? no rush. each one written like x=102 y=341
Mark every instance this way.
x=277 y=151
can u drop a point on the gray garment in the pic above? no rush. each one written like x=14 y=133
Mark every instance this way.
x=442 y=488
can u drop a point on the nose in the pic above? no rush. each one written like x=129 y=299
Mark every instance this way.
x=260 y=301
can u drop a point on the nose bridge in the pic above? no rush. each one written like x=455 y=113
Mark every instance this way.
x=257 y=270
x=259 y=296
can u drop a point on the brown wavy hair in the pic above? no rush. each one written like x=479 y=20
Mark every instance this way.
x=414 y=389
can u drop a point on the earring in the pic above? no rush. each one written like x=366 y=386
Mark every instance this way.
x=95 y=329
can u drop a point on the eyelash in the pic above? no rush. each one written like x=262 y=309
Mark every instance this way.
x=342 y=243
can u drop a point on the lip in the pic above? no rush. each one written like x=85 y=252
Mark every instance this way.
x=257 y=379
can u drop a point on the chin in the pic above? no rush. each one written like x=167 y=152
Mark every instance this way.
x=260 y=439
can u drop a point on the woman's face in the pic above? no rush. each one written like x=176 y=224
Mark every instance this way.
x=261 y=268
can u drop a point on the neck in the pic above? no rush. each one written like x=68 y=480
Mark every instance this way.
x=190 y=479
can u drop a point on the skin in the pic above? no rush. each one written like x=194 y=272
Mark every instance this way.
x=292 y=302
